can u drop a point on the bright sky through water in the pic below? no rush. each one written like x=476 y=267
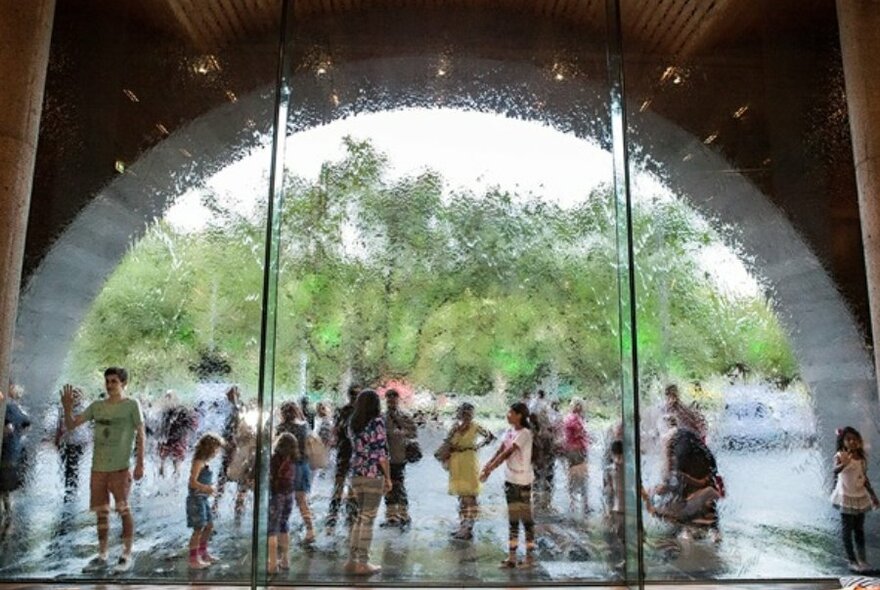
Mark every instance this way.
x=471 y=150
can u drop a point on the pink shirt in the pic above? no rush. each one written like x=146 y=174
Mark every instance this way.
x=574 y=430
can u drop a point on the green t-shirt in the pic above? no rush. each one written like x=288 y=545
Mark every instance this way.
x=115 y=427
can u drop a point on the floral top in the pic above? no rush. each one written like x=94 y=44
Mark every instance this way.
x=369 y=447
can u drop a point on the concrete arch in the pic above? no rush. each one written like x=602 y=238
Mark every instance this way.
x=826 y=337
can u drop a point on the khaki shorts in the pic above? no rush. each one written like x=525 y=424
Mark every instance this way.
x=105 y=483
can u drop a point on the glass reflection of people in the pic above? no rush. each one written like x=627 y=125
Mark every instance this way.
x=178 y=424
x=853 y=495
x=343 y=461
x=465 y=438
x=370 y=477
x=230 y=431
x=282 y=486
x=516 y=452
x=575 y=447
x=15 y=424
x=688 y=418
x=305 y=404
x=688 y=492
x=119 y=425
x=544 y=450
x=401 y=429
x=294 y=422
x=612 y=487
x=71 y=445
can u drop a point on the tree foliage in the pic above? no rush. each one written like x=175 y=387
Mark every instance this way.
x=391 y=278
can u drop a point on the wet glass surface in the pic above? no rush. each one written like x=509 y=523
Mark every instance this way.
x=451 y=227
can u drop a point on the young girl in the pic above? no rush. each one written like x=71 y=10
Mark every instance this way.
x=294 y=421
x=852 y=494
x=282 y=486
x=516 y=450
x=465 y=438
x=198 y=510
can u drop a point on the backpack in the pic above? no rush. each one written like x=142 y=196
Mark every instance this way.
x=316 y=452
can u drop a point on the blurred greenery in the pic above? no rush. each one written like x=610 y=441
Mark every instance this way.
x=389 y=278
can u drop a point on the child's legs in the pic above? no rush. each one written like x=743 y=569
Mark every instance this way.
x=859 y=534
x=511 y=495
x=283 y=547
x=847 y=526
x=119 y=486
x=272 y=552
x=206 y=535
x=302 y=502
x=195 y=539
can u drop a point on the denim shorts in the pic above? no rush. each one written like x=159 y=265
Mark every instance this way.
x=198 y=512
x=303 y=481
x=280 y=508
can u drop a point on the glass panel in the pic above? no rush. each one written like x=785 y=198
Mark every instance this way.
x=449 y=232
x=749 y=356
x=145 y=251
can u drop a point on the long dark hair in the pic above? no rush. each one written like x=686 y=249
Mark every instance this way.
x=366 y=407
x=841 y=434
x=527 y=419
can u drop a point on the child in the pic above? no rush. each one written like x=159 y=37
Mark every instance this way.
x=119 y=425
x=199 y=516
x=852 y=494
x=516 y=450
x=282 y=485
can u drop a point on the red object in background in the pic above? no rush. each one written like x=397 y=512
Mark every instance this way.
x=407 y=392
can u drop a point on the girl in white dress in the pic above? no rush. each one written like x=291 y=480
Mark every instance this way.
x=852 y=494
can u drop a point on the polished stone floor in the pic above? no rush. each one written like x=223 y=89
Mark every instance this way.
x=830 y=585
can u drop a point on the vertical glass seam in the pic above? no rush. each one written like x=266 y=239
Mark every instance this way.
x=626 y=258
x=270 y=298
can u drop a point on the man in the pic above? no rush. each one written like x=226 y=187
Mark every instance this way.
x=343 y=460
x=306 y=405
x=400 y=430
x=118 y=424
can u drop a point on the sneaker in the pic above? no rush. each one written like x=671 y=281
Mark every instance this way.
x=97 y=563
x=123 y=565
x=391 y=522
x=198 y=564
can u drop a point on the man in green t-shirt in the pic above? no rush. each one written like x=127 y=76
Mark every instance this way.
x=118 y=423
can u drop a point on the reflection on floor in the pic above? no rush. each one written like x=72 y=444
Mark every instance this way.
x=830 y=585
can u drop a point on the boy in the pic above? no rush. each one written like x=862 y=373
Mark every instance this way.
x=118 y=423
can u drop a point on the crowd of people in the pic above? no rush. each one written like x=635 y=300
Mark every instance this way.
x=366 y=450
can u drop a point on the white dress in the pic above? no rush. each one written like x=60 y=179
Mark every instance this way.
x=850 y=494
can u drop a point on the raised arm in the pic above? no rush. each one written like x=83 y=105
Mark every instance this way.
x=71 y=421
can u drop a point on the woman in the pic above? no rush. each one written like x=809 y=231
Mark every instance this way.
x=294 y=422
x=575 y=446
x=465 y=438
x=370 y=477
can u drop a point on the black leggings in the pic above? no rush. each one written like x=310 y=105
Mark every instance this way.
x=519 y=511
x=853 y=525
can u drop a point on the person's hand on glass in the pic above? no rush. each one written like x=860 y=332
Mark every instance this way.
x=68 y=394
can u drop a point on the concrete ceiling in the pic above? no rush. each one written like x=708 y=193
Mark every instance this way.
x=669 y=27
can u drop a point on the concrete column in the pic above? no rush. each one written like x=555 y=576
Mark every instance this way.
x=25 y=33
x=859 y=22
